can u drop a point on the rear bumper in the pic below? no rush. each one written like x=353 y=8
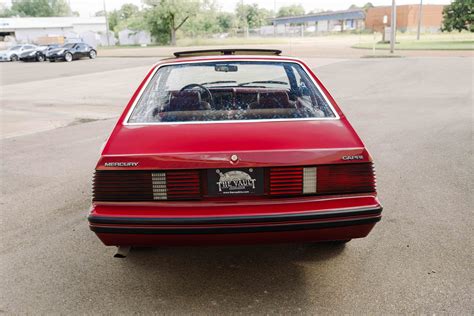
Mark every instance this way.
x=302 y=221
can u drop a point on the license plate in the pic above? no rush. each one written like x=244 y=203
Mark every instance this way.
x=235 y=181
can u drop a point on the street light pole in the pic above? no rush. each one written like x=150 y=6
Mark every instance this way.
x=106 y=25
x=393 y=28
x=420 y=16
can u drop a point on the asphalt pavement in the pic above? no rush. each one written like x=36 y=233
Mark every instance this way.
x=415 y=116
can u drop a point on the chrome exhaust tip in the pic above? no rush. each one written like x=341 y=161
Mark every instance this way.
x=122 y=251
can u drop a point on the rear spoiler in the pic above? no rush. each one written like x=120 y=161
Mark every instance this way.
x=238 y=51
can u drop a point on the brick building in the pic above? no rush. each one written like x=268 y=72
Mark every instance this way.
x=407 y=18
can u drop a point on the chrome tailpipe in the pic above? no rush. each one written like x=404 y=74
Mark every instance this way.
x=122 y=251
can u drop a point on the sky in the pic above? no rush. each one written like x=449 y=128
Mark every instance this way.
x=89 y=7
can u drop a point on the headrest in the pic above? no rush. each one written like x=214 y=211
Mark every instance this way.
x=274 y=100
x=187 y=100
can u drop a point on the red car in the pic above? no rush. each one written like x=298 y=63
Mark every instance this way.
x=232 y=147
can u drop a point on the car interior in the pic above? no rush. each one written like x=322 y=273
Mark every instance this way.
x=229 y=103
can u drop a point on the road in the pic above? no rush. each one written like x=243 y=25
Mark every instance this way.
x=415 y=116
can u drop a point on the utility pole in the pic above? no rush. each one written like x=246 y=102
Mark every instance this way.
x=420 y=16
x=106 y=25
x=393 y=28
x=274 y=17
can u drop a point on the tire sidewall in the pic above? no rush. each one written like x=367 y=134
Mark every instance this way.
x=14 y=57
x=66 y=57
x=92 y=54
x=40 y=58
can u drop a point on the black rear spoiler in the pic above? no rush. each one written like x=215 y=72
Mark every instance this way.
x=237 y=51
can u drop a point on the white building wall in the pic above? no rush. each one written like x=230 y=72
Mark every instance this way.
x=30 y=35
x=334 y=26
x=129 y=37
x=81 y=28
x=30 y=29
x=322 y=26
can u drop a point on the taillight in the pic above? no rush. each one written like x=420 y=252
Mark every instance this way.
x=145 y=185
x=324 y=179
x=286 y=181
x=138 y=185
x=183 y=185
x=346 y=178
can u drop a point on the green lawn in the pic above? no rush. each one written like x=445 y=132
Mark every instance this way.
x=421 y=45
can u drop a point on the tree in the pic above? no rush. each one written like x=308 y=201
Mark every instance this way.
x=291 y=10
x=226 y=21
x=135 y=22
x=4 y=11
x=204 y=20
x=114 y=19
x=367 y=6
x=39 y=8
x=169 y=16
x=459 y=15
x=128 y=10
x=128 y=16
x=251 y=16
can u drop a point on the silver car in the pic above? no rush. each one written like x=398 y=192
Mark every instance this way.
x=13 y=54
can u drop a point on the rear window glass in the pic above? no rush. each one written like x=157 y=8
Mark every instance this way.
x=228 y=91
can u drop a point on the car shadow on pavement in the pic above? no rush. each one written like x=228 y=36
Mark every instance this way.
x=245 y=279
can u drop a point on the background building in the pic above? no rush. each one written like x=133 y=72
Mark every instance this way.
x=335 y=21
x=131 y=37
x=407 y=17
x=53 y=29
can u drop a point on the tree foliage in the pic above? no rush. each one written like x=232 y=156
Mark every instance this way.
x=165 y=17
x=227 y=21
x=366 y=6
x=38 y=8
x=127 y=11
x=251 y=16
x=291 y=10
x=459 y=15
x=128 y=16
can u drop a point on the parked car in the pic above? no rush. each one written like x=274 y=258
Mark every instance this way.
x=219 y=148
x=38 y=53
x=13 y=53
x=71 y=51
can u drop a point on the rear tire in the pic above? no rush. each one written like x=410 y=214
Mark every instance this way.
x=68 y=57
x=40 y=58
x=14 y=58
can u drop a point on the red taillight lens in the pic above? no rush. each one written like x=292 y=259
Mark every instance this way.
x=347 y=178
x=183 y=185
x=286 y=181
x=329 y=179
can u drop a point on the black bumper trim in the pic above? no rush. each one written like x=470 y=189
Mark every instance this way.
x=233 y=230
x=235 y=219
